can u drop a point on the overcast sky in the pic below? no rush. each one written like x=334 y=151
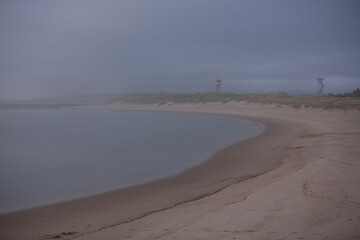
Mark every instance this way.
x=75 y=47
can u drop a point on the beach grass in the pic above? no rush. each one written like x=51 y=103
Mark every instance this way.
x=341 y=102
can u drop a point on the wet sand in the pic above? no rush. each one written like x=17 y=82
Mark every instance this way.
x=297 y=180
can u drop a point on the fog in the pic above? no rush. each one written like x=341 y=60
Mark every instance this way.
x=67 y=48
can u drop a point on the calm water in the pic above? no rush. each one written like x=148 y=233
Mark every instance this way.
x=48 y=156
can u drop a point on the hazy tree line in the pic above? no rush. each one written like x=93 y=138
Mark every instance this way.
x=354 y=93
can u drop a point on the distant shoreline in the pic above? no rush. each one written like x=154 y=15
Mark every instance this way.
x=19 y=106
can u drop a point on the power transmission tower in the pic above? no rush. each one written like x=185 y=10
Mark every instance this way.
x=218 y=85
x=320 y=86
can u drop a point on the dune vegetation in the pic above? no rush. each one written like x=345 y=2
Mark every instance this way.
x=348 y=101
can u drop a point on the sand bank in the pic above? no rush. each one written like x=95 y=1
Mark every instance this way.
x=299 y=179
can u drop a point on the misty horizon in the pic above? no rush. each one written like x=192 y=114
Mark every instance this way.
x=74 y=48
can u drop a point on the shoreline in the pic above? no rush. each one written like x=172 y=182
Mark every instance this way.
x=101 y=213
x=258 y=129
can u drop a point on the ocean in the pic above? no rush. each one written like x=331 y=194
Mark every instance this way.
x=54 y=155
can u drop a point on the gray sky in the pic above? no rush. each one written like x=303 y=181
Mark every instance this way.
x=74 y=47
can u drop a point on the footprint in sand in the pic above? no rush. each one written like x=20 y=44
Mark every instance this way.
x=59 y=235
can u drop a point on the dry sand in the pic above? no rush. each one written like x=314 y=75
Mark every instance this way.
x=300 y=179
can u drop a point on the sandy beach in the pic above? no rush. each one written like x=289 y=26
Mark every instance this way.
x=299 y=179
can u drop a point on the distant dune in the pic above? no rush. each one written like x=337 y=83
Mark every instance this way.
x=342 y=102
